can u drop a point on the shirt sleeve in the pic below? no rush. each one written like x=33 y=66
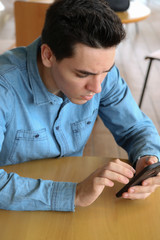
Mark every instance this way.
x=131 y=128
x=27 y=194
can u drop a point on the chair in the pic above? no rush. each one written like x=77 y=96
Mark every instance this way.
x=29 y=20
x=153 y=56
x=135 y=13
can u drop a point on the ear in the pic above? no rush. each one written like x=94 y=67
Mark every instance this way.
x=47 y=56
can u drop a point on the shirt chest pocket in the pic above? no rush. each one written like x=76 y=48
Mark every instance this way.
x=29 y=145
x=82 y=130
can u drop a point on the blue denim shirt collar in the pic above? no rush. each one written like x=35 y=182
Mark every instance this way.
x=40 y=93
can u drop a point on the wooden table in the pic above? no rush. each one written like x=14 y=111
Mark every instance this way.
x=108 y=218
x=135 y=13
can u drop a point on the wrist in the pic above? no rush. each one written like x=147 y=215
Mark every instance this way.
x=77 y=201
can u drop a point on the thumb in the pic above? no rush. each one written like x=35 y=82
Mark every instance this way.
x=144 y=162
x=150 y=160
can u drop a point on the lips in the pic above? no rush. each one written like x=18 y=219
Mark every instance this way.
x=87 y=97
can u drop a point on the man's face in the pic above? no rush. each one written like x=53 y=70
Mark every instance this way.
x=80 y=76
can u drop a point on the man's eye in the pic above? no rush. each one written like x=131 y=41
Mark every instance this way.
x=82 y=75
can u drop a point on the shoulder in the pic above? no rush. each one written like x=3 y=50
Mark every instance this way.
x=12 y=59
x=12 y=67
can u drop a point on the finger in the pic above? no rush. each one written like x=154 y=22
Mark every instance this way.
x=117 y=168
x=135 y=196
x=152 y=181
x=142 y=189
x=151 y=160
x=103 y=181
x=126 y=165
x=114 y=176
x=139 y=192
x=144 y=162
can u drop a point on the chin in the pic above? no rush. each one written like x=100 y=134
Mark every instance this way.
x=78 y=101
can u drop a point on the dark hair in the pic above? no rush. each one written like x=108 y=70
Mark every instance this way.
x=89 y=22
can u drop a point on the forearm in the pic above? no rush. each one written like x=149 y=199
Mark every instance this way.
x=142 y=140
x=131 y=128
x=27 y=194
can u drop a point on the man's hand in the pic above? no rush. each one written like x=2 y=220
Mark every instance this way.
x=148 y=186
x=89 y=190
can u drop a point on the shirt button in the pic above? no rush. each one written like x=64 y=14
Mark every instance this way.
x=36 y=136
x=57 y=128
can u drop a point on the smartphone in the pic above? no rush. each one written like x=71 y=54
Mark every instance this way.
x=149 y=171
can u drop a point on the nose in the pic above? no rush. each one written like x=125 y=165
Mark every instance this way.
x=94 y=85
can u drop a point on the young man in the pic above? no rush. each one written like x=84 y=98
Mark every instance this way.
x=50 y=95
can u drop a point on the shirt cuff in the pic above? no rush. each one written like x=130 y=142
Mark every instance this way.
x=63 y=196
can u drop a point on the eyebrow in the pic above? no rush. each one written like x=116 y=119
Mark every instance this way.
x=91 y=73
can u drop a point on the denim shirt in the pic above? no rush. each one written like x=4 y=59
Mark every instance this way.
x=36 y=124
